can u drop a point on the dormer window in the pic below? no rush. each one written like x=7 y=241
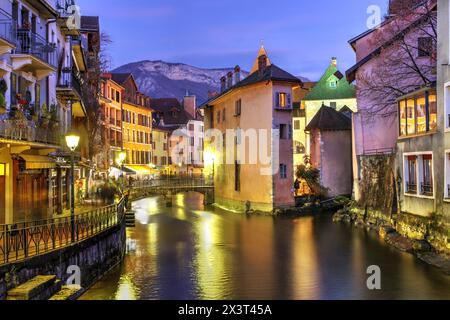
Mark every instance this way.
x=332 y=82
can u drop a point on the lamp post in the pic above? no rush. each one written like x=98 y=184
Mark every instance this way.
x=120 y=161
x=72 y=141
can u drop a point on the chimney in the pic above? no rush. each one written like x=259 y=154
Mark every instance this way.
x=223 y=84
x=190 y=105
x=334 y=62
x=262 y=63
x=237 y=74
x=229 y=80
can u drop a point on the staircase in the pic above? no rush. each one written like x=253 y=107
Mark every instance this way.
x=44 y=288
x=130 y=219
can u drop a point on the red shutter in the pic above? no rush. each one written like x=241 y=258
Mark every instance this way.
x=427 y=157
x=412 y=158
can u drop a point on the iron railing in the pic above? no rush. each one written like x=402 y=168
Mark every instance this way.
x=411 y=188
x=69 y=80
x=8 y=27
x=426 y=189
x=174 y=182
x=29 y=42
x=30 y=131
x=28 y=239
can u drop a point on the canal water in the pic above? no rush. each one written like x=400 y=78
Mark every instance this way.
x=189 y=252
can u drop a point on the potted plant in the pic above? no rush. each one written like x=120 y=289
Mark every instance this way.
x=2 y=104
x=54 y=115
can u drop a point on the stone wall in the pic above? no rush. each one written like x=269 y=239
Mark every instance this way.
x=94 y=257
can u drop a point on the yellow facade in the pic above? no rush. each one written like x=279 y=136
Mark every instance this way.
x=111 y=100
x=137 y=130
x=160 y=149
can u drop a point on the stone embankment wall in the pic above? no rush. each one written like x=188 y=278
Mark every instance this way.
x=94 y=257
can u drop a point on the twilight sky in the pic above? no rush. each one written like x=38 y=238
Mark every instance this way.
x=300 y=36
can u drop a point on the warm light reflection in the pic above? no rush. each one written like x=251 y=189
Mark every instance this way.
x=210 y=261
x=126 y=290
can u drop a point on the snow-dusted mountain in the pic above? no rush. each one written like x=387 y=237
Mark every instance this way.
x=160 y=79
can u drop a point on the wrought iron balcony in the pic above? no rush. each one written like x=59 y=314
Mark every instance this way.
x=426 y=189
x=69 y=84
x=8 y=27
x=33 y=44
x=42 y=131
x=411 y=188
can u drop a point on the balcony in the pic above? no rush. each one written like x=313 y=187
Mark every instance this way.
x=69 y=87
x=66 y=10
x=34 y=54
x=79 y=47
x=8 y=29
x=22 y=131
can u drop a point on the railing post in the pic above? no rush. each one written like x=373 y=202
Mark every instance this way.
x=25 y=242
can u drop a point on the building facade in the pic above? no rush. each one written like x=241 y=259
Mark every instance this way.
x=252 y=106
x=40 y=71
x=136 y=125
x=111 y=98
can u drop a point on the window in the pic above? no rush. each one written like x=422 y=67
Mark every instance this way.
x=411 y=184
x=283 y=100
x=283 y=132
x=283 y=171
x=117 y=96
x=238 y=107
x=418 y=172
x=427 y=181
x=223 y=115
x=297 y=125
x=218 y=117
x=447 y=103
x=191 y=127
x=332 y=82
x=425 y=46
x=237 y=176
x=299 y=148
x=447 y=175
x=418 y=114
x=333 y=105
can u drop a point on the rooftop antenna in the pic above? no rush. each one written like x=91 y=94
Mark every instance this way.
x=262 y=43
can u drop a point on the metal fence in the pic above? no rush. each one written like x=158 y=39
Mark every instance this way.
x=24 y=130
x=29 y=42
x=8 y=27
x=25 y=240
x=174 y=182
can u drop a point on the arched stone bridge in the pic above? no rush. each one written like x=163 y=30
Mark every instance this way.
x=168 y=187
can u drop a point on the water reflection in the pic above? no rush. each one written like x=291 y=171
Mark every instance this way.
x=189 y=252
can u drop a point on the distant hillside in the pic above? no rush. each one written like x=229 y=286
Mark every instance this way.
x=160 y=79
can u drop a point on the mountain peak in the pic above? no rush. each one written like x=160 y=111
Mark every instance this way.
x=161 y=79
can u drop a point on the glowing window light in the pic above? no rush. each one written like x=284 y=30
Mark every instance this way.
x=2 y=169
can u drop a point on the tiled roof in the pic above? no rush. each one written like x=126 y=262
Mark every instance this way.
x=328 y=119
x=120 y=78
x=271 y=73
x=164 y=104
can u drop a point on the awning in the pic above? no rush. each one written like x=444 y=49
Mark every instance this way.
x=141 y=169
x=125 y=170
x=33 y=162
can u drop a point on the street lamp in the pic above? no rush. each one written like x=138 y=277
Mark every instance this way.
x=72 y=141
x=120 y=161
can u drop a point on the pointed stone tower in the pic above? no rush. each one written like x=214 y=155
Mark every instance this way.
x=262 y=53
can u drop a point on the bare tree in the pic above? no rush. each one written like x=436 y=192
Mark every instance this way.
x=91 y=91
x=404 y=47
